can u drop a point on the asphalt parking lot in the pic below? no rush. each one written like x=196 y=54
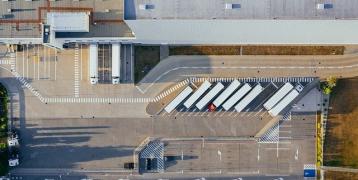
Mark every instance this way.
x=294 y=148
x=91 y=136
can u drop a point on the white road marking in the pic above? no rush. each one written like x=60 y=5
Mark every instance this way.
x=76 y=72
x=44 y=60
x=258 y=153
x=27 y=60
x=38 y=62
x=56 y=64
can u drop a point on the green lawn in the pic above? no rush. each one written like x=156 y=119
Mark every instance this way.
x=3 y=131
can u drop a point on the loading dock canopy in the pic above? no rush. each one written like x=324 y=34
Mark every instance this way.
x=68 y=21
x=180 y=31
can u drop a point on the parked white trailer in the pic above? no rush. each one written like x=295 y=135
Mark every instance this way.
x=282 y=92
x=93 y=67
x=237 y=96
x=209 y=96
x=177 y=100
x=226 y=93
x=201 y=90
x=247 y=99
x=116 y=65
x=284 y=103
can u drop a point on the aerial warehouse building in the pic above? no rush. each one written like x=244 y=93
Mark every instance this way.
x=116 y=64
x=177 y=100
x=226 y=93
x=283 y=103
x=285 y=89
x=209 y=96
x=249 y=98
x=93 y=67
x=199 y=92
x=237 y=96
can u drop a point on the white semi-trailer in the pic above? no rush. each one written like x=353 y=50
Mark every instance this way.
x=177 y=100
x=283 y=103
x=209 y=96
x=196 y=95
x=285 y=89
x=247 y=99
x=226 y=93
x=116 y=64
x=93 y=65
x=237 y=96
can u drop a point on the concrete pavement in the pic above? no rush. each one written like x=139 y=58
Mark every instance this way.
x=177 y=68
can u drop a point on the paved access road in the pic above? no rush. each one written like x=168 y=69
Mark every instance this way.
x=176 y=68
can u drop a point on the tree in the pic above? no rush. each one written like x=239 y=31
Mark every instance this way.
x=331 y=81
x=329 y=84
x=327 y=90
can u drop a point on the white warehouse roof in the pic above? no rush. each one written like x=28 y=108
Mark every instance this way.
x=68 y=21
x=244 y=31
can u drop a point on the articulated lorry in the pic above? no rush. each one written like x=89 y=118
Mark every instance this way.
x=116 y=65
x=93 y=65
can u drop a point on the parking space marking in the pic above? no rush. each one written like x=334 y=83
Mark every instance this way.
x=258 y=112
x=97 y=100
x=218 y=111
x=232 y=113
x=49 y=62
x=44 y=59
x=223 y=113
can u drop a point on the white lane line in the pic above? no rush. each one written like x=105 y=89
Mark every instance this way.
x=277 y=148
x=223 y=113
x=258 y=153
x=232 y=113
x=56 y=64
x=27 y=61
x=258 y=112
x=23 y=60
x=49 y=63
x=44 y=61
x=218 y=112
x=38 y=57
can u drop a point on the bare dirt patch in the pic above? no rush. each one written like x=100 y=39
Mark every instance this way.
x=341 y=143
x=256 y=50
x=336 y=175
